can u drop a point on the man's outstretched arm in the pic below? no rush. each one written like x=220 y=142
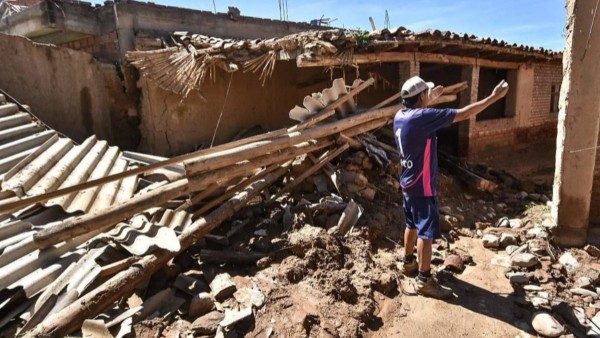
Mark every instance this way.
x=477 y=107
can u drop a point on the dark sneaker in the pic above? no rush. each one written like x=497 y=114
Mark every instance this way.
x=432 y=289
x=409 y=268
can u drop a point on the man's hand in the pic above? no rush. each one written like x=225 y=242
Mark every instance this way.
x=436 y=92
x=500 y=90
x=477 y=107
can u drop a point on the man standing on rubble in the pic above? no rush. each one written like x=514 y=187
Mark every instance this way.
x=415 y=130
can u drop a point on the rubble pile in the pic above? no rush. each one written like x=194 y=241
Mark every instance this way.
x=72 y=268
x=296 y=232
x=560 y=288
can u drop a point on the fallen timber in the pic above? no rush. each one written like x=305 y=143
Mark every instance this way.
x=223 y=166
x=217 y=166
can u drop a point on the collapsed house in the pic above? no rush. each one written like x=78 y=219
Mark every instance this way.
x=526 y=116
x=142 y=103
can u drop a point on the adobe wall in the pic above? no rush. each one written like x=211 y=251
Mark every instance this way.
x=532 y=120
x=67 y=89
x=169 y=127
x=595 y=202
x=104 y=46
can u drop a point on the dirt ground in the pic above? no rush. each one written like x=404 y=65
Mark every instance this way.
x=483 y=307
x=314 y=281
x=317 y=284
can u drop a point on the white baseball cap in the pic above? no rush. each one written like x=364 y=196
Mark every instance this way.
x=414 y=86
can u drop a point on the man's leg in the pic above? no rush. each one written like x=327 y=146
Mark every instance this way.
x=427 y=221
x=410 y=239
x=424 y=254
x=409 y=262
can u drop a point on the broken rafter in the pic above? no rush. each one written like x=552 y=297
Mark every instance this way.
x=252 y=150
x=217 y=167
x=322 y=161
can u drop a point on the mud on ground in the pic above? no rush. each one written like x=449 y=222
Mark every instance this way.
x=318 y=283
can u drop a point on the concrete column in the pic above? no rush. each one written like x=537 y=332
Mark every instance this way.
x=524 y=95
x=408 y=69
x=466 y=97
x=578 y=121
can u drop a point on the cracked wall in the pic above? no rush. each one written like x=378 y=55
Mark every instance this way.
x=68 y=90
x=171 y=126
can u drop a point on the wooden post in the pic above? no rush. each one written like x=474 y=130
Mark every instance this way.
x=105 y=218
x=249 y=151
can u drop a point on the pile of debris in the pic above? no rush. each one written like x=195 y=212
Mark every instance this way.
x=560 y=288
x=147 y=237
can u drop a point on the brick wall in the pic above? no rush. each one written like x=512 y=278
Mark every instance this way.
x=545 y=75
x=533 y=120
x=103 y=46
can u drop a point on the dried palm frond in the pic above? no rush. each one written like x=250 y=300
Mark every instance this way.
x=176 y=68
x=346 y=56
x=266 y=62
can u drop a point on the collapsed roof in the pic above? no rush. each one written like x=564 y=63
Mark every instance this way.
x=183 y=67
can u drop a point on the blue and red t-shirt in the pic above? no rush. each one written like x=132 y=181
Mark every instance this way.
x=415 y=134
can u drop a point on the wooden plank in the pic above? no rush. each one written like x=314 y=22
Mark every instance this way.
x=330 y=108
x=467 y=176
x=226 y=256
x=308 y=172
x=387 y=57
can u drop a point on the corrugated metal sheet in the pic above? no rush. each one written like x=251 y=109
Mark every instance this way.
x=36 y=161
x=314 y=103
x=20 y=135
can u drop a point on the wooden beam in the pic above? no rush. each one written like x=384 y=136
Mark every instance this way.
x=481 y=47
x=252 y=150
x=105 y=218
x=467 y=176
x=297 y=180
x=387 y=57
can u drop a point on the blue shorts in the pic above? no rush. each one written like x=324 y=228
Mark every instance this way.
x=422 y=213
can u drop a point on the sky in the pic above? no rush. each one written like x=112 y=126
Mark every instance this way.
x=537 y=23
